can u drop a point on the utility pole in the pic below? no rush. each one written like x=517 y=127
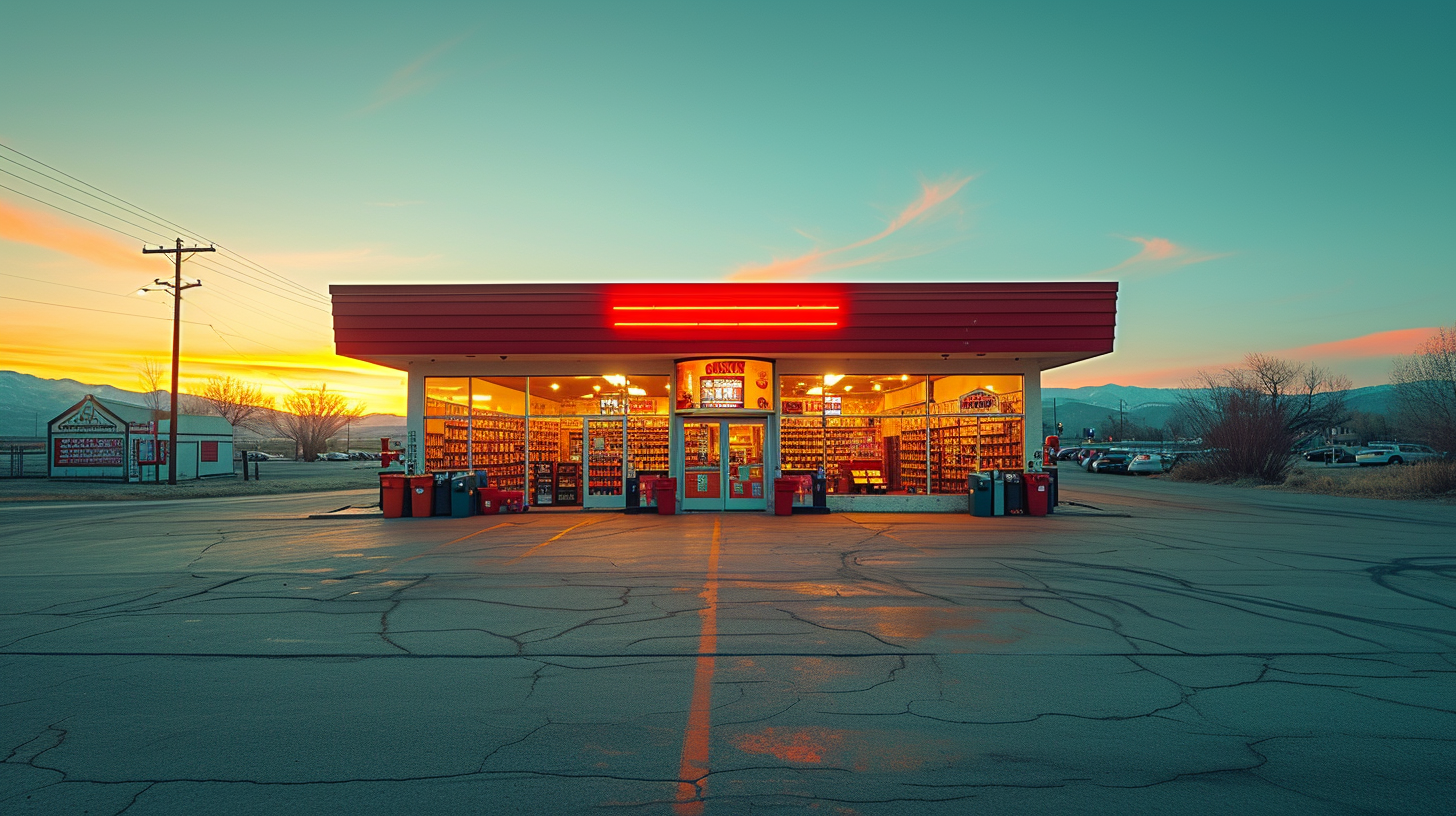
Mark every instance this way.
x=176 y=287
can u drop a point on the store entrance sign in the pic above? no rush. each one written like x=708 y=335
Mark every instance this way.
x=725 y=385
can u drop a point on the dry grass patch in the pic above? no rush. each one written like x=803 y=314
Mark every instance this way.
x=1425 y=480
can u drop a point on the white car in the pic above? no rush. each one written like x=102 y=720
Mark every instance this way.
x=1394 y=454
x=1150 y=463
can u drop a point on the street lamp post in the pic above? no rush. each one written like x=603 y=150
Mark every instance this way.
x=175 y=288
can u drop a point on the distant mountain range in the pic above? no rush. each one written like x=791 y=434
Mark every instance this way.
x=28 y=402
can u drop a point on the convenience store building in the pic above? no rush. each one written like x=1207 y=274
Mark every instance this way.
x=898 y=391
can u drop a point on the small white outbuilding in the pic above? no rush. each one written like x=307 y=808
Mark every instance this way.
x=99 y=440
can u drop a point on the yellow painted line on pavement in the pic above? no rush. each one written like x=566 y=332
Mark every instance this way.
x=478 y=532
x=551 y=539
x=692 y=770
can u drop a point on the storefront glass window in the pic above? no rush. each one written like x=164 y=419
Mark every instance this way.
x=977 y=426
x=854 y=424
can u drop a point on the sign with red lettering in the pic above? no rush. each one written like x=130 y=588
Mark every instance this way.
x=87 y=451
x=979 y=402
x=725 y=384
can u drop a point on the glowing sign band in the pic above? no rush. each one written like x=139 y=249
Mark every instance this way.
x=713 y=310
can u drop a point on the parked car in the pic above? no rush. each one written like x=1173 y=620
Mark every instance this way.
x=1335 y=454
x=1150 y=463
x=1090 y=459
x=334 y=456
x=1111 y=463
x=1395 y=454
x=1066 y=454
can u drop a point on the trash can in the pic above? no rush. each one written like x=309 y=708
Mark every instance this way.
x=1052 y=494
x=490 y=501
x=784 y=490
x=422 y=495
x=1038 y=491
x=634 y=492
x=462 y=495
x=986 y=495
x=665 y=489
x=391 y=494
x=1014 y=497
x=442 y=495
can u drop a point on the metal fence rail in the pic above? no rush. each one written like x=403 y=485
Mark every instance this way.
x=22 y=461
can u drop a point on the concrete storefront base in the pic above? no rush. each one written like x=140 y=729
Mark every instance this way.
x=925 y=503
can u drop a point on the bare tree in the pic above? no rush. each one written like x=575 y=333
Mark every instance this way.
x=1425 y=389
x=241 y=403
x=156 y=393
x=1251 y=416
x=310 y=417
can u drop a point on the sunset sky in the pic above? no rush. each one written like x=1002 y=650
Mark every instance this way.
x=1259 y=177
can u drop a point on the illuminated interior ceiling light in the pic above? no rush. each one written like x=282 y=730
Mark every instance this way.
x=815 y=390
x=877 y=386
x=481 y=397
x=555 y=386
x=849 y=388
x=831 y=379
x=615 y=379
x=990 y=388
x=588 y=396
x=596 y=388
x=637 y=392
x=904 y=377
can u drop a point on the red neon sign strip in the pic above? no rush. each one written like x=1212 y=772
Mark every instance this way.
x=710 y=310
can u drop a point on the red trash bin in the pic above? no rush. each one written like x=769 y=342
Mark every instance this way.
x=784 y=490
x=666 y=492
x=1038 y=493
x=391 y=494
x=422 y=494
x=490 y=501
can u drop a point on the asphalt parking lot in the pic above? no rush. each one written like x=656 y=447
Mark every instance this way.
x=1159 y=648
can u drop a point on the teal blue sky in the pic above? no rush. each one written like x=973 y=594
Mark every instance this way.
x=1260 y=177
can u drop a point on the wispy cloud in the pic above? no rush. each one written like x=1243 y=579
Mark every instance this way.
x=415 y=77
x=1376 y=344
x=936 y=200
x=1156 y=256
x=38 y=229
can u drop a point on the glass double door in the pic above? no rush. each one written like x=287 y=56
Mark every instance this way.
x=723 y=464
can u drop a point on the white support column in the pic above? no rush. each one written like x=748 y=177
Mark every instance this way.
x=415 y=419
x=1031 y=385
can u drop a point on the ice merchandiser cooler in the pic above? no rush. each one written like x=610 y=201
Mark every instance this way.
x=543 y=483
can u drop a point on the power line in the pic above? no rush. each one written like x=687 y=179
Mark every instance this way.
x=78 y=215
x=151 y=216
x=146 y=241
x=88 y=309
